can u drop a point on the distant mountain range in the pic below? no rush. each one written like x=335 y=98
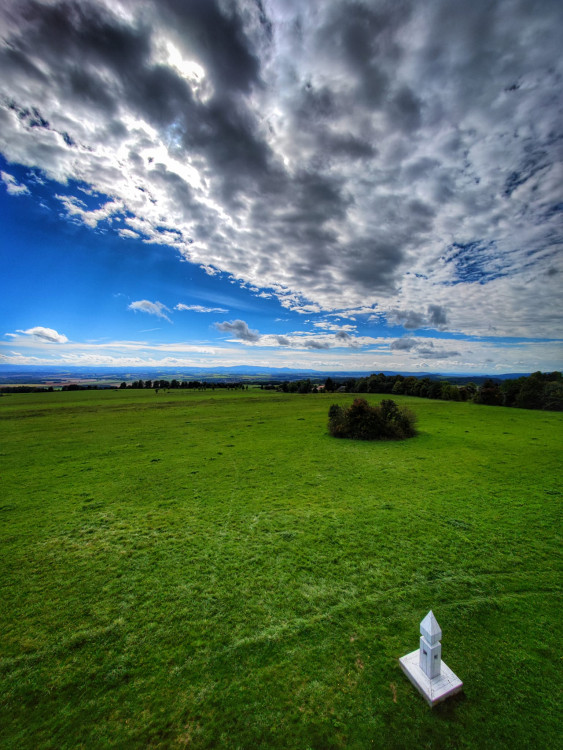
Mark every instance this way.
x=38 y=375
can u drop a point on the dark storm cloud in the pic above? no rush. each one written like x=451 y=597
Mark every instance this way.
x=372 y=264
x=226 y=133
x=405 y=110
x=91 y=88
x=362 y=36
x=346 y=146
x=319 y=197
x=82 y=32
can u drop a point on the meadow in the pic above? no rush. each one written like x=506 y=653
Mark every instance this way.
x=206 y=570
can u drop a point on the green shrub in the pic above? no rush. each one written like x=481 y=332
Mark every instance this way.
x=360 y=421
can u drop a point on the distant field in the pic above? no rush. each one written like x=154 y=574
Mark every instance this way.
x=213 y=570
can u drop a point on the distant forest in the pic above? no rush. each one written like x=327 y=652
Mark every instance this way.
x=536 y=391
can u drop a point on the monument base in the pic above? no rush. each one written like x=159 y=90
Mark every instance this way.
x=435 y=690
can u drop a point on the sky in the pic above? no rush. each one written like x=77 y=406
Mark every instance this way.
x=322 y=184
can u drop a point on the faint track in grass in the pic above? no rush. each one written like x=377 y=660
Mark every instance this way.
x=294 y=627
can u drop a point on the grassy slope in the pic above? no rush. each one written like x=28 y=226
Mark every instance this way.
x=195 y=570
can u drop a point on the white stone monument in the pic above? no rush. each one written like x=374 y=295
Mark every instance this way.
x=425 y=668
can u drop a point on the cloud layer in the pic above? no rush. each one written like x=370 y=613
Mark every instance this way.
x=401 y=157
x=43 y=346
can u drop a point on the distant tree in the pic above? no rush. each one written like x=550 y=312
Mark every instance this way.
x=531 y=392
x=510 y=390
x=489 y=393
x=450 y=392
x=424 y=387
x=553 y=396
x=464 y=394
x=467 y=391
x=434 y=389
x=398 y=388
x=304 y=386
x=444 y=390
x=123 y=385
x=410 y=385
x=376 y=383
x=361 y=385
x=329 y=385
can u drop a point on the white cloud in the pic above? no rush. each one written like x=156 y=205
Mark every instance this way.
x=152 y=308
x=45 y=335
x=12 y=185
x=199 y=308
x=328 y=326
x=128 y=234
x=76 y=207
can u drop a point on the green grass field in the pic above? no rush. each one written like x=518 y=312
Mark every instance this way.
x=196 y=570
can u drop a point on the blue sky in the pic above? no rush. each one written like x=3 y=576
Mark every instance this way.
x=336 y=186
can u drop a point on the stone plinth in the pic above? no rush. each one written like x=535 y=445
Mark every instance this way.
x=433 y=690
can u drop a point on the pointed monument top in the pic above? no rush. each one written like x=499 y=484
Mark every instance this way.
x=430 y=629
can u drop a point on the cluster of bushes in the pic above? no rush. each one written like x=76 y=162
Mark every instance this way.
x=362 y=421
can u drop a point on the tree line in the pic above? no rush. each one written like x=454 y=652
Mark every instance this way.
x=198 y=385
x=536 y=391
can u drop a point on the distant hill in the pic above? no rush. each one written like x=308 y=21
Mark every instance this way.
x=38 y=375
